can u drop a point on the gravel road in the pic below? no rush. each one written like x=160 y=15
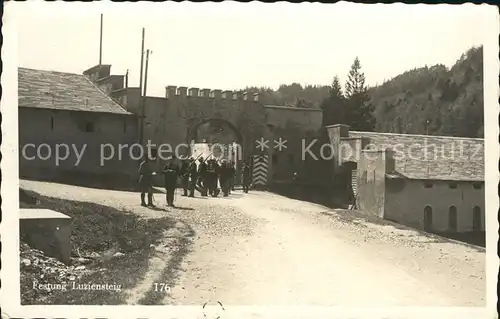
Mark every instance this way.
x=264 y=249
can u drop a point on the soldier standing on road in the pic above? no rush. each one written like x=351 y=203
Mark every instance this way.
x=146 y=181
x=211 y=177
x=222 y=176
x=185 y=176
x=193 y=176
x=202 y=176
x=217 y=182
x=225 y=177
x=246 y=176
x=233 y=176
x=170 y=172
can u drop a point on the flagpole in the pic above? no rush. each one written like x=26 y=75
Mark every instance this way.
x=100 y=42
x=141 y=127
x=143 y=102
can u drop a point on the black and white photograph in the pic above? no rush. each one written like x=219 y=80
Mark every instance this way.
x=219 y=155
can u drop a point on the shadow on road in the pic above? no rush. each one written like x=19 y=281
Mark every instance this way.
x=183 y=208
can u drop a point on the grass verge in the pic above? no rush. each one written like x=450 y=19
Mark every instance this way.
x=99 y=230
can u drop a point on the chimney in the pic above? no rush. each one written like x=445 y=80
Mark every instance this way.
x=390 y=162
x=98 y=72
x=256 y=97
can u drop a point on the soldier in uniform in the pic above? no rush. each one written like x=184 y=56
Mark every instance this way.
x=193 y=176
x=146 y=181
x=170 y=173
x=217 y=183
x=225 y=176
x=247 y=178
x=211 y=177
x=184 y=172
x=202 y=176
x=232 y=178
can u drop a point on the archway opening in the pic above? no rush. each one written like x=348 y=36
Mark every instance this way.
x=219 y=139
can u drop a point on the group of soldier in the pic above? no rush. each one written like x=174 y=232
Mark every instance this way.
x=204 y=176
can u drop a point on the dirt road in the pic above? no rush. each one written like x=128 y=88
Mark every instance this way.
x=264 y=249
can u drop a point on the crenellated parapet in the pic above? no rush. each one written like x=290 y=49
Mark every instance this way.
x=172 y=91
x=194 y=92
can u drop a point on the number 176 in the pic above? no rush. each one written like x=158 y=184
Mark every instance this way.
x=162 y=287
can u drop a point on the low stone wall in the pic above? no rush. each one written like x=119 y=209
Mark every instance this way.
x=48 y=231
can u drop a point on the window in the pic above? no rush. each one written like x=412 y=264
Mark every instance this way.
x=275 y=159
x=476 y=218
x=453 y=185
x=291 y=159
x=428 y=218
x=477 y=185
x=428 y=185
x=452 y=218
x=124 y=125
x=89 y=127
x=52 y=122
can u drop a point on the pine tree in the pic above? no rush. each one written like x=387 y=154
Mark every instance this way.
x=359 y=109
x=336 y=88
x=355 y=80
x=334 y=106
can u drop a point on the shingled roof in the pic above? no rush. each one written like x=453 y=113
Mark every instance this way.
x=63 y=91
x=431 y=157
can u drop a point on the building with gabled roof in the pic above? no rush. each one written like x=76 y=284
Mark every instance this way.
x=63 y=91
x=68 y=125
x=434 y=183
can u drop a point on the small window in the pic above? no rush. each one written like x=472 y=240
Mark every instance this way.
x=428 y=185
x=453 y=185
x=291 y=159
x=275 y=159
x=125 y=126
x=476 y=218
x=52 y=123
x=452 y=218
x=477 y=185
x=89 y=127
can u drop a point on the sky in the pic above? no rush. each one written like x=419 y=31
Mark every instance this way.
x=232 y=45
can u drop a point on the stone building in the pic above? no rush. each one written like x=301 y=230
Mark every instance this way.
x=98 y=108
x=178 y=118
x=290 y=125
x=61 y=112
x=434 y=183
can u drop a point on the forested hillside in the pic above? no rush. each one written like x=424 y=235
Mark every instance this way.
x=434 y=100
x=429 y=100
x=293 y=95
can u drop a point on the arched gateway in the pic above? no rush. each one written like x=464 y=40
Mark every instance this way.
x=217 y=138
x=185 y=114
